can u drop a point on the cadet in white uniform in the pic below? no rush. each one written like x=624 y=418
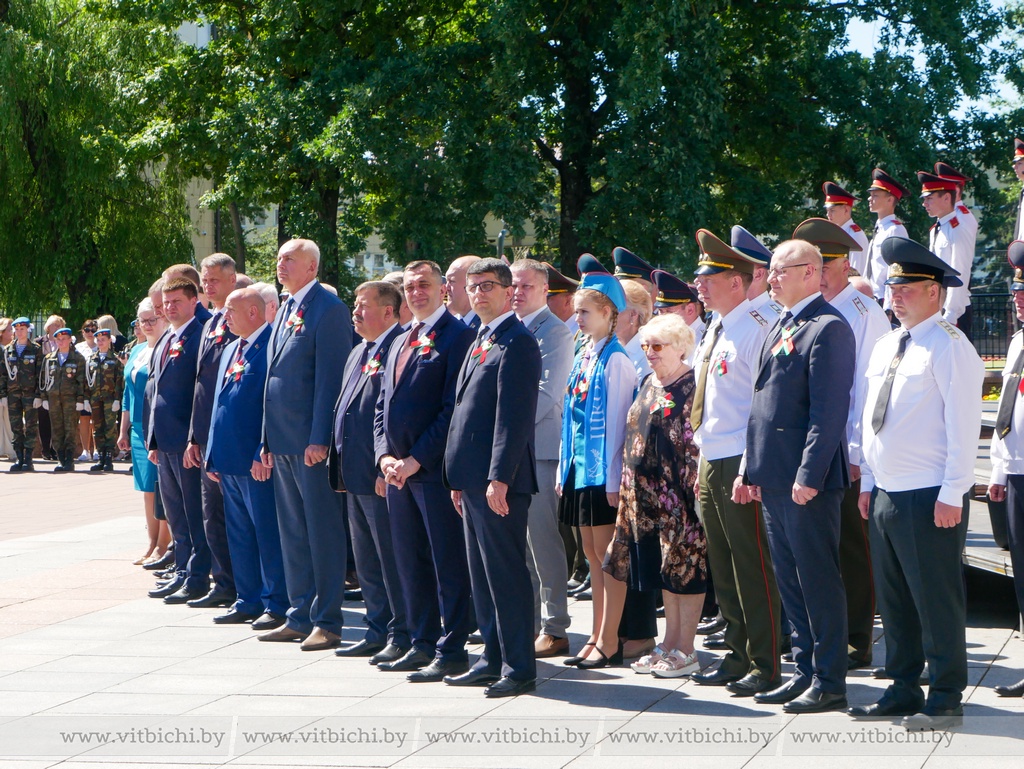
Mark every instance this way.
x=921 y=421
x=883 y=195
x=839 y=211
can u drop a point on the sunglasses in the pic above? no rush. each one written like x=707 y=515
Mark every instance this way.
x=90 y=329
x=656 y=346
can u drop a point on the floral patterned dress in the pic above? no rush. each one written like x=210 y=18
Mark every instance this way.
x=658 y=472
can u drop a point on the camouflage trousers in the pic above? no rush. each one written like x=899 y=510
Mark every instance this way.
x=63 y=424
x=24 y=421
x=105 y=425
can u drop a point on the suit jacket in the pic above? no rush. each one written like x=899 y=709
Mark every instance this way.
x=216 y=337
x=556 y=355
x=413 y=414
x=304 y=373
x=236 y=422
x=174 y=385
x=797 y=426
x=352 y=467
x=492 y=428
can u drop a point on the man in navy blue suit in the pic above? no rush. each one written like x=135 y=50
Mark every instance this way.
x=353 y=470
x=796 y=462
x=489 y=465
x=217 y=275
x=410 y=432
x=311 y=339
x=233 y=463
x=173 y=372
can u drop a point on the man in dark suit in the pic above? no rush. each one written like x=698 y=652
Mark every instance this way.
x=353 y=470
x=796 y=460
x=232 y=461
x=489 y=465
x=312 y=338
x=410 y=431
x=173 y=374
x=217 y=275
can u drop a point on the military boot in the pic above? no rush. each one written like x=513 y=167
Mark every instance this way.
x=19 y=463
x=108 y=461
x=70 y=466
x=26 y=461
x=98 y=467
x=63 y=462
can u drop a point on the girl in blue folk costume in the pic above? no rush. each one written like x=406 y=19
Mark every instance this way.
x=598 y=396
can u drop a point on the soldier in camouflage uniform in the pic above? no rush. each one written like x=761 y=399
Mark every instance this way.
x=19 y=391
x=104 y=386
x=62 y=382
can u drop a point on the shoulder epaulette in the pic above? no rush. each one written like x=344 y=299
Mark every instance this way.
x=758 y=318
x=859 y=304
x=897 y=221
x=855 y=227
x=954 y=222
x=776 y=306
x=962 y=208
x=950 y=329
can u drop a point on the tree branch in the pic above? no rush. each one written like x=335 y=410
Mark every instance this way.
x=547 y=153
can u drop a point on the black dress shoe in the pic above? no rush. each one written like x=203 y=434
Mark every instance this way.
x=184 y=595
x=854 y=662
x=717 y=677
x=1014 y=690
x=579 y=588
x=213 y=599
x=473 y=678
x=584 y=595
x=787 y=644
x=166 y=573
x=751 y=684
x=816 y=701
x=886 y=708
x=234 y=618
x=167 y=559
x=414 y=659
x=355 y=595
x=602 y=661
x=788 y=692
x=715 y=641
x=508 y=687
x=475 y=638
x=710 y=625
x=437 y=671
x=389 y=653
x=268 y=620
x=363 y=648
x=934 y=720
x=167 y=589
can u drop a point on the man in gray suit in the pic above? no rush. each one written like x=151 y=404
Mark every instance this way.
x=311 y=340
x=546 y=556
x=796 y=462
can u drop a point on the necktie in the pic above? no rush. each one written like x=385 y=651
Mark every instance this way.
x=406 y=353
x=166 y=351
x=1011 y=388
x=282 y=320
x=355 y=377
x=882 y=402
x=697 y=409
x=239 y=360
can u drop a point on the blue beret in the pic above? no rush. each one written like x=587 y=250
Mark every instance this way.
x=64 y=330
x=22 y=321
x=607 y=285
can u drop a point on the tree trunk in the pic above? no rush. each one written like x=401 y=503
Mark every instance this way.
x=236 y=227
x=328 y=195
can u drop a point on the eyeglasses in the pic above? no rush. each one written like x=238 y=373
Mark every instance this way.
x=780 y=270
x=656 y=346
x=484 y=286
x=146 y=321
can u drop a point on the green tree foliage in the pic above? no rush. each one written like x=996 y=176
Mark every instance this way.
x=86 y=221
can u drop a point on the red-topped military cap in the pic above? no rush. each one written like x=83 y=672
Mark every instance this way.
x=836 y=195
x=880 y=180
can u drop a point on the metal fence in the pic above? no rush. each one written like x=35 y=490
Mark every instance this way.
x=992 y=324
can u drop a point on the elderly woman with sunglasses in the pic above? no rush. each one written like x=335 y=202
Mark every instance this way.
x=659 y=542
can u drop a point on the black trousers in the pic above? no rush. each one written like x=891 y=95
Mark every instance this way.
x=920 y=591
x=1015 y=532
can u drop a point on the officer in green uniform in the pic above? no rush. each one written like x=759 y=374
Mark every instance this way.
x=104 y=386
x=62 y=382
x=19 y=391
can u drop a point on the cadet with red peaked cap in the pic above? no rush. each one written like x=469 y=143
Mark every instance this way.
x=758 y=294
x=952 y=242
x=1007 y=452
x=868 y=322
x=1018 y=168
x=967 y=219
x=588 y=263
x=839 y=211
x=883 y=195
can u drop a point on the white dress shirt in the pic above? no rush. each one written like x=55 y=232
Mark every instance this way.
x=858 y=259
x=876 y=270
x=766 y=307
x=953 y=243
x=933 y=420
x=729 y=388
x=869 y=324
x=1008 y=453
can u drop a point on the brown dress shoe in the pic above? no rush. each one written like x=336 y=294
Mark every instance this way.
x=283 y=633
x=550 y=646
x=319 y=640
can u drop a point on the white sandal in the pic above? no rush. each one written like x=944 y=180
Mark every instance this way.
x=675 y=664
x=645 y=663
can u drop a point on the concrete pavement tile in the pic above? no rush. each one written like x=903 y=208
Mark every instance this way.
x=154 y=702
x=43 y=681
x=276 y=704
x=258 y=669
x=83 y=663
x=762 y=761
x=167 y=646
x=12 y=629
x=472 y=705
x=219 y=685
x=72 y=631
x=10 y=663
x=600 y=761
x=30 y=703
x=321 y=686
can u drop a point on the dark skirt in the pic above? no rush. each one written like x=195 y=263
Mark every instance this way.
x=645 y=569
x=584 y=507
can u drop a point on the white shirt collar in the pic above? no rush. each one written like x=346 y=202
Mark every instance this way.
x=797 y=308
x=532 y=316
x=372 y=343
x=176 y=333
x=299 y=295
x=431 y=320
x=735 y=313
x=468 y=317
x=922 y=328
x=249 y=340
x=493 y=325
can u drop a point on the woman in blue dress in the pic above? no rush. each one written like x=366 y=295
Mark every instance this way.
x=136 y=372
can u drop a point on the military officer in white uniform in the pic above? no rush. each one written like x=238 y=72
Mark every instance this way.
x=839 y=211
x=760 y=300
x=883 y=195
x=952 y=242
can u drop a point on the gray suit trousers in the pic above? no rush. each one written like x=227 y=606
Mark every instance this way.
x=546 y=555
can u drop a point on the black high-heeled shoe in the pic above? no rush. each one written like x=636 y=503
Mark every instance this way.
x=578 y=659
x=603 y=662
